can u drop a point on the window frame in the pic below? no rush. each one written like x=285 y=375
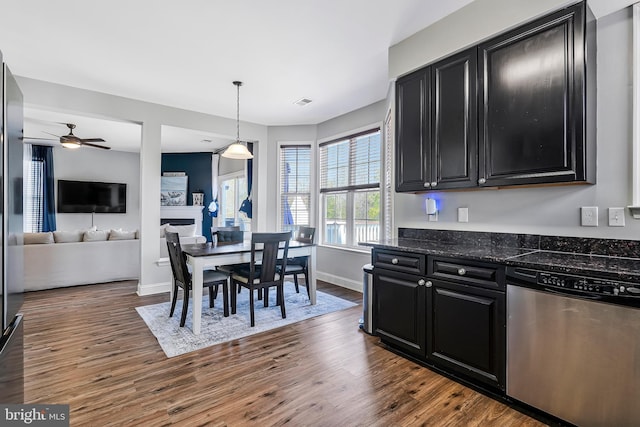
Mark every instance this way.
x=350 y=190
x=312 y=180
x=219 y=220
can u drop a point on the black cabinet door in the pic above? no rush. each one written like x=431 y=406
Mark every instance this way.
x=454 y=121
x=466 y=331
x=413 y=148
x=399 y=310
x=533 y=94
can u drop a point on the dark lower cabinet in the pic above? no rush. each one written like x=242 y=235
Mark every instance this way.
x=466 y=331
x=399 y=310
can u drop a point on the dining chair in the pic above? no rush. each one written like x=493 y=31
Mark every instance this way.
x=262 y=275
x=226 y=235
x=300 y=265
x=182 y=279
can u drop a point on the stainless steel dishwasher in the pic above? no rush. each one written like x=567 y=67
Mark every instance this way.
x=573 y=346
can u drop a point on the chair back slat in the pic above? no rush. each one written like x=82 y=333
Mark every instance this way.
x=270 y=244
x=305 y=234
x=177 y=259
x=226 y=235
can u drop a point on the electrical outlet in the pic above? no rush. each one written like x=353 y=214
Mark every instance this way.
x=589 y=216
x=616 y=217
x=463 y=214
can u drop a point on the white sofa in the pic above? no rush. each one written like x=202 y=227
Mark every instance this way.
x=57 y=265
x=63 y=258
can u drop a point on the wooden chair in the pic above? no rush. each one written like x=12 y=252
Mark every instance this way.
x=300 y=265
x=263 y=275
x=182 y=278
x=226 y=235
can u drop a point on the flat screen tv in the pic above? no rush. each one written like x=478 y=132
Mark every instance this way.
x=91 y=197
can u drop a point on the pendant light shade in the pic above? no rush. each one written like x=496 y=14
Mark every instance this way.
x=237 y=150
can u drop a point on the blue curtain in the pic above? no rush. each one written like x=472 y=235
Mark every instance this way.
x=247 y=205
x=44 y=154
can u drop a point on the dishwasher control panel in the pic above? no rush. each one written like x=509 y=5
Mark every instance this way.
x=589 y=285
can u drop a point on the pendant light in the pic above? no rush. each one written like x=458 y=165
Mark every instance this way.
x=237 y=150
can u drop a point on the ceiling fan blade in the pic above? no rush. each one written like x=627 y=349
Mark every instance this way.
x=92 y=140
x=104 y=147
x=52 y=134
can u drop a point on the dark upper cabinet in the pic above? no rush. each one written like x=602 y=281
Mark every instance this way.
x=533 y=88
x=454 y=121
x=517 y=109
x=413 y=129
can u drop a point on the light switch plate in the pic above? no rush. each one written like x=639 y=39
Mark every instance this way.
x=589 y=216
x=463 y=214
x=616 y=217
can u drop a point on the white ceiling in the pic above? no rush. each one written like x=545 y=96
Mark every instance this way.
x=186 y=54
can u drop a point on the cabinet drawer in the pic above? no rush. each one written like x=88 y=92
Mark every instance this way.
x=484 y=275
x=399 y=261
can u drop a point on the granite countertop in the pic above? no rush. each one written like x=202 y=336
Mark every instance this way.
x=607 y=258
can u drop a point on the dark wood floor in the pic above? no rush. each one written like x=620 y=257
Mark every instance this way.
x=87 y=347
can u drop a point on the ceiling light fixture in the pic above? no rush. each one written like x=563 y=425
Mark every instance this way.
x=237 y=150
x=67 y=143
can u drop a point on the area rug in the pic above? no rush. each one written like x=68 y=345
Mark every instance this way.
x=217 y=329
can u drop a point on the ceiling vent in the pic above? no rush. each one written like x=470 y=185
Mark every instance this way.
x=302 y=102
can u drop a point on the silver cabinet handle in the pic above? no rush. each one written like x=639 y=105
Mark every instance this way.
x=427 y=184
x=434 y=183
x=421 y=282
x=394 y=261
x=429 y=284
x=462 y=271
x=482 y=181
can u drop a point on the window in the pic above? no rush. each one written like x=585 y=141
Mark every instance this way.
x=295 y=186
x=350 y=188
x=233 y=190
x=34 y=200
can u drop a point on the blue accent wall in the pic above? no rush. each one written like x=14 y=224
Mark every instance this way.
x=197 y=166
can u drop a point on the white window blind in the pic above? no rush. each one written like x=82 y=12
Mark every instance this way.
x=295 y=186
x=350 y=188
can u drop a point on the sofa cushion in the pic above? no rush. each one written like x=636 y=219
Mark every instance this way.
x=183 y=230
x=38 y=238
x=118 y=234
x=68 y=236
x=95 y=235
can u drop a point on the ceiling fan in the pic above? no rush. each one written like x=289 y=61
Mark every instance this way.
x=72 y=141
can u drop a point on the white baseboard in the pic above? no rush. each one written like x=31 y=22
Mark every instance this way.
x=354 y=285
x=153 y=288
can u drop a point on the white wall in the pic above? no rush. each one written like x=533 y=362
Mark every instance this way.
x=544 y=210
x=89 y=164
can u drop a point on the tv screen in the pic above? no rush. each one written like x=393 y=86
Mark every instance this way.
x=88 y=197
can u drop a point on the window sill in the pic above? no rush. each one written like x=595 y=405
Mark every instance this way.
x=356 y=249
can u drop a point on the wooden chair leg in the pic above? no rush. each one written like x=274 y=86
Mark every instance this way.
x=253 y=318
x=225 y=298
x=185 y=306
x=306 y=283
x=234 y=296
x=266 y=296
x=295 y=282
x=173 y=301
x=212 y=295
x=281 y=292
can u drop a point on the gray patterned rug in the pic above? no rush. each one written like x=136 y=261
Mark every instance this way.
x=217 y=329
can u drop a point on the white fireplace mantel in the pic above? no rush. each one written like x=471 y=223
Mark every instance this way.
x=184 y=212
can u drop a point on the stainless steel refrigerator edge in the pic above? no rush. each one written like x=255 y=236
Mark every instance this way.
x=11 y=175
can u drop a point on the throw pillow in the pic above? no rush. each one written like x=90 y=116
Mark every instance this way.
x=122 y=235
x=95 y=236
x=38 y=238
x=183 y=230
x=68 y=236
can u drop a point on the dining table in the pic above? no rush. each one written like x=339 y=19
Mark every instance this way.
x=206 y=256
